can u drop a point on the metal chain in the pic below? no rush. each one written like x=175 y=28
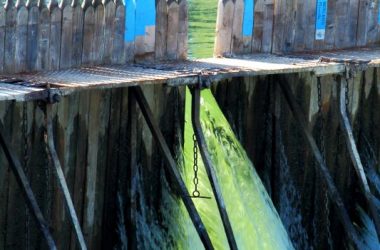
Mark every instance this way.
x=323 y=152
x=196 y=193
x=25 y=163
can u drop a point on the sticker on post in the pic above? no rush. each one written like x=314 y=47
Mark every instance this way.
x=320 y=23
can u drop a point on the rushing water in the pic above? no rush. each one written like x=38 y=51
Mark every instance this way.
x=202 y=23
x=254 y=220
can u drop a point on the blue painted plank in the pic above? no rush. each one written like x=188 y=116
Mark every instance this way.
x=145 y=15
x=320 y=22
x=130 y=20
x=248 y=17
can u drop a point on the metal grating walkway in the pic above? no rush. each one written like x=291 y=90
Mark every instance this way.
x=31 y=86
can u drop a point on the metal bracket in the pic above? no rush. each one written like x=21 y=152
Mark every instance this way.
x=61 y=178
x=195 y=117
x=355 y=157
x=26 y=189
x=334 y=195
x=171 y=167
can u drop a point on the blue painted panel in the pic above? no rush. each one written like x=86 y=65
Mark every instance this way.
x=321 y=17
x=139 y=15
x=378 y=16
x=130 y=20
x=248 y=18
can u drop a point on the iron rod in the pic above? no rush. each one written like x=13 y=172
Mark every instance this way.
x=171 y=167
x=27 y=191
x=355 y=157
x=321 y=167
x=195 y=117
x=61 y=178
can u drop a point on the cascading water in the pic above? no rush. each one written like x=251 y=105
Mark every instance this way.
x=254 y=220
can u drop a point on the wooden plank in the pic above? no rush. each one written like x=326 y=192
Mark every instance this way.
x=109 y=31
x=173 y=29
x=279 y=26
x=55 y=38
x=372 y=30
x=183 y=30
x=352 y=23
x=341 y=23
x=100 y=34
x=330 y=26
x=237 y=27
x=5 y=113
x=2 y=38
x=301 y=16
x=161 y=29
x=77 y=42
x=32 y=40
x=118 y=42
x=267 y=36
x=43 y=39
x=258 y=28
x=88 y=56
x=67 y=38
x=10 y=36
x=21 y=40
x=224 y=28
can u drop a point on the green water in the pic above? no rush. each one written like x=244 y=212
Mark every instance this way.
x=254 y=220
x=202 y=22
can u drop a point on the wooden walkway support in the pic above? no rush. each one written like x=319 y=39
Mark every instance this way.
x=195 y=118
x=26 y=189
x=321 y=167
x=61 y=178
x=171 y=167
x=355 y=157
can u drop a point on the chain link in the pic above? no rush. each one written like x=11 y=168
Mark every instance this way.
x=323 y=152
x=25 y=163
x=196 y=193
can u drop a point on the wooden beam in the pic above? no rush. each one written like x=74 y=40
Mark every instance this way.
x=26 y=189
x=171 y=167
x=355 y=157
x=61 y=178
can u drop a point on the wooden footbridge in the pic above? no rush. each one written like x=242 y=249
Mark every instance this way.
x=56 y=49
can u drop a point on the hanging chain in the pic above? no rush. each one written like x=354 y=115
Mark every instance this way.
x=323 y=152
x=196 y=193
x=25 y=163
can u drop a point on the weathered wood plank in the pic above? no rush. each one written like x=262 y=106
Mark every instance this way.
x=118 y=42
x=88 y=56
x=130 y=30
x=109 y=31
x=67 y=38
x=100 y=34
x=330 y=26
x=183 y=30
x=2 y=38
x=224 y=27
x=21 y=40
x=161 y=29
x=43 y=39
x=173 y=29
x=10 y=36
x=145 y=28
x=55 y=38
x=279 y=23
x=32 y=40
x=267 y=36
x=258 y=28
x=237 y=27
x=77 y=42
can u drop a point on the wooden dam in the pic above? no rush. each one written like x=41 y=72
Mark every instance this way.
x=92 y=94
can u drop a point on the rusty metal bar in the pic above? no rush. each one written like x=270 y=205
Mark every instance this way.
x=26 y=189
x=171 y=167
x=355 y=157
x=195 y=117
x=321 y=167
x=61 y=178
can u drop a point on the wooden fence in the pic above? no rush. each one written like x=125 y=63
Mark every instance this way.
x=38 y=36
x=285 y=26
